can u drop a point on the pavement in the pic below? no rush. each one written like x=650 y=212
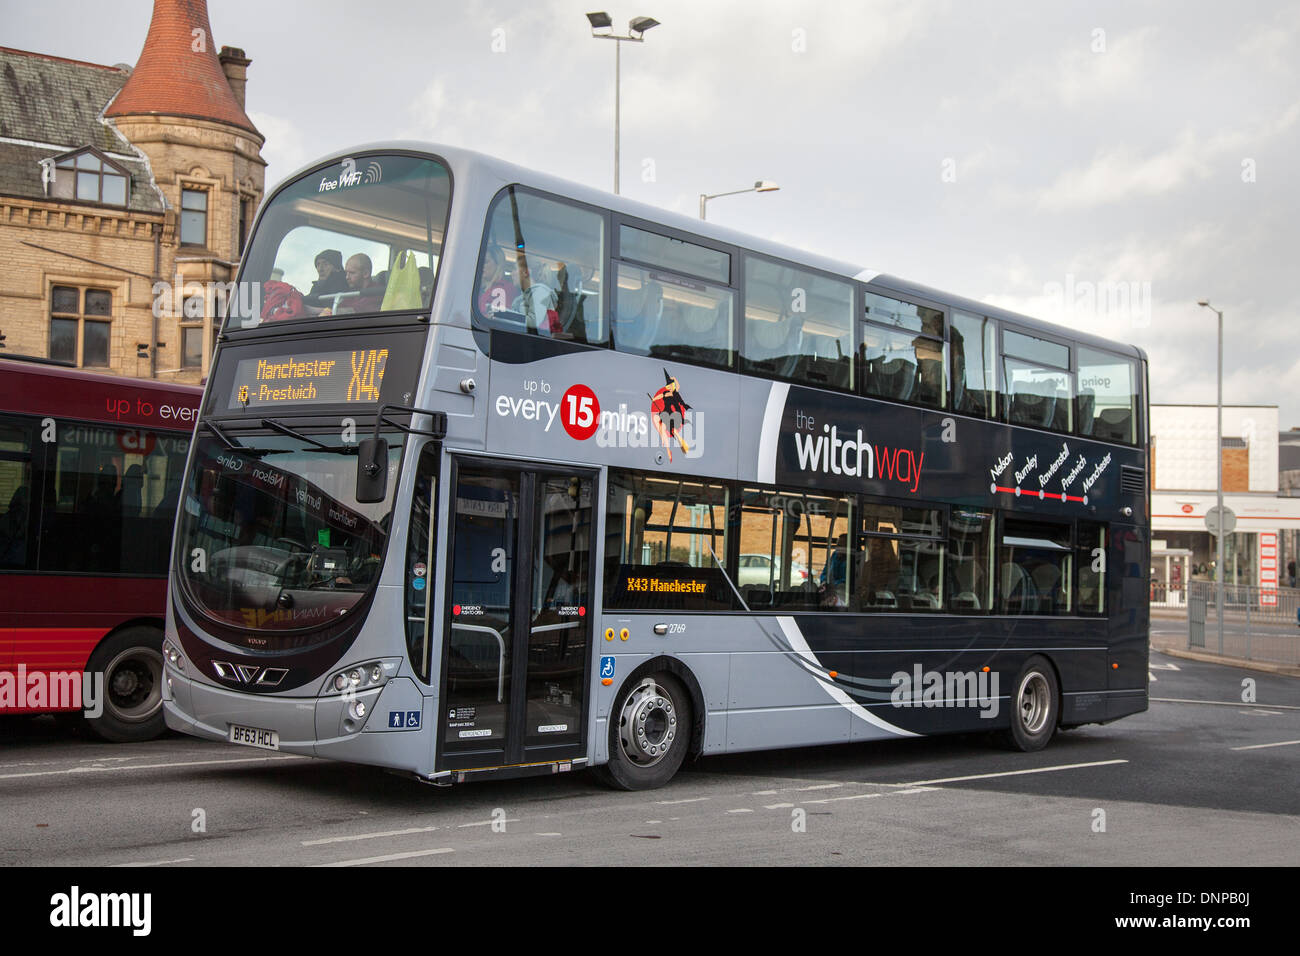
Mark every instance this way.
x=1169 y=636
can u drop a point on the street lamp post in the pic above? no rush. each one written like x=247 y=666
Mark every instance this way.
x=1219 y=568
x=637 y=27
x=762 y=186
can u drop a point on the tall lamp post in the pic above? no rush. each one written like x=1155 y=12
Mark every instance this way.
x=1219 y=567
x=762 y=186
x=637 y=27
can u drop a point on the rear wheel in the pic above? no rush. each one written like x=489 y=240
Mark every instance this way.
x=1035 y=706
x=132 y=665
x=650 y=731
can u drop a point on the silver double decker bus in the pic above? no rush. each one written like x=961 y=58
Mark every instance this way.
x=497 y=474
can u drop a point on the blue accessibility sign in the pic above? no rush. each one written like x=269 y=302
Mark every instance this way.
x=607 y=666
x=397 y=718
x=413 y=719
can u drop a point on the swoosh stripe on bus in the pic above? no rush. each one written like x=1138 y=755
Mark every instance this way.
x=771 y=432
x=800 y=646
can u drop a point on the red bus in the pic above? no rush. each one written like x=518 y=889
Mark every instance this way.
x=90 y=475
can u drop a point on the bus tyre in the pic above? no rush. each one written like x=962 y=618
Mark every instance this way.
x=649 y=734
x=1035 y=707
x=132 y=665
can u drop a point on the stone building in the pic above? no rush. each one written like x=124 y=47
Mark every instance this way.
x=116 y=181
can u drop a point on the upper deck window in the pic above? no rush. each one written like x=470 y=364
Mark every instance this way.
x=360 y=236
x=1107 y=397
x=798 y=325
x=541 y=270
x=902 y=351
x=1037 y=384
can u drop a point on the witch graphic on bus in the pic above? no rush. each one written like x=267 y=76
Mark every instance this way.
x=668 y=412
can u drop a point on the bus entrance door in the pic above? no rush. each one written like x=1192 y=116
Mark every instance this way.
x=518 y=629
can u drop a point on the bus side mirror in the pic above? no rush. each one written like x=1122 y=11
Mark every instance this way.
x=372 y=470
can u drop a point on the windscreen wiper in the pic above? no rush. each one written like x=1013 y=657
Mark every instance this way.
x=225 y=439
x=233 y=445
x=286 y=430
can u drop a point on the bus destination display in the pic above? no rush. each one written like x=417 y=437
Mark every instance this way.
x=315 y=378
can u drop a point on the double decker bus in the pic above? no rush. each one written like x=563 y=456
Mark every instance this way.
x=90 y=474
x=560 y=480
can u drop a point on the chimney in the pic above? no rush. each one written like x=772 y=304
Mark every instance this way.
x=235 y=65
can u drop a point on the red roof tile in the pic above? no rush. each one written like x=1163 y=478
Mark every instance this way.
x=178 y=73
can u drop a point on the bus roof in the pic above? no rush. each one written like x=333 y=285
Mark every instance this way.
x=466 y=160
x=35 y=388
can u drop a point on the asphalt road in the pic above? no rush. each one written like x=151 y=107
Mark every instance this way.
x=1201 y=779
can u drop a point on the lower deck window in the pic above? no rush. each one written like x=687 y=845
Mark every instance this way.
x=1037 y=567
x=665 y=543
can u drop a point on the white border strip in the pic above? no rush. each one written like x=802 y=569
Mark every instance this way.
x=770 y=432
x=800 y=646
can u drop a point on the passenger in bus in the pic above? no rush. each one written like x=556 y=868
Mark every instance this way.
x=370 y=294
x=496 y=292
x=13 y=529
x=331 y=279
x=539 y=300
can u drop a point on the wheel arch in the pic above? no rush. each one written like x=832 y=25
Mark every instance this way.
x=676 y=667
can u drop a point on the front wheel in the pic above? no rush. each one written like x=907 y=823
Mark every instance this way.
x=132 y=665
x=650 y=731
x=1035 y=706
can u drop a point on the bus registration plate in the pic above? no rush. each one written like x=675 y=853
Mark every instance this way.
x=254 y=737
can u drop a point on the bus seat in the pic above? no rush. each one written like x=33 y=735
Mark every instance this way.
x=1114 y=424
x=1087 y=405
x=1032 y=408
x=898 y=378
x=636 y=316
x=929 y=380
x=966 y=601
x=774 y=346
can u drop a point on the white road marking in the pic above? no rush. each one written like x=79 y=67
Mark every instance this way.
x=1258 y=712
x=778 y=806
x=487 y=823
x=1152 y=677
x=741 y=810
x=184 y=859
x=367 y=836
x=410 y=854
x=669 y=803
x=550 y=834
x=1219 y=703
x=1281 y=743
x=1164 y=667
x=856 y=796
x=151 y=766
x=820 y=786
x=1005 y=773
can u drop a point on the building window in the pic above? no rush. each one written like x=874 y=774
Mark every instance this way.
x=191 y=346
x=84 y=314
x=245 y=220
x=87 y=177
x=194 y=217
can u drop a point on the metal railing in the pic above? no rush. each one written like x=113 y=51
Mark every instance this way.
x=1259 y=624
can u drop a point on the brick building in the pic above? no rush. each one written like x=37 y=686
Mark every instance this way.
x=115 y=181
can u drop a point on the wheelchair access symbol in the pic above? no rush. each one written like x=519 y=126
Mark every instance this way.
x=408 y=719
x=607 y=667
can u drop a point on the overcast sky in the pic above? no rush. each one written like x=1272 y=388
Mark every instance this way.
x=1100 y=165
